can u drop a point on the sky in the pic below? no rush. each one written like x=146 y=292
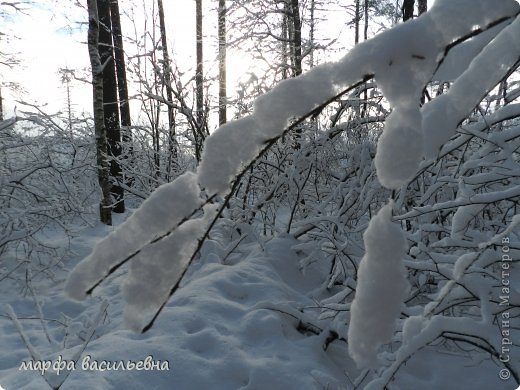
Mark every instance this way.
x=50 y=37
x=52 y=34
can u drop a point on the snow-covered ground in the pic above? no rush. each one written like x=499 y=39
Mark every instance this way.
x=230 y=326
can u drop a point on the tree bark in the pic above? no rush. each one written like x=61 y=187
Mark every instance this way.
x=222 y=94
x=1 y=106
x=408 y=7
x=199 y=83
x=105 y=209
x=122 y=84
x=110 y=103
x=312 y=27
x=297 y=43
x=285 y=39
x=172 y=140
x=423 y=6
x=365 y=33
x=357 y=19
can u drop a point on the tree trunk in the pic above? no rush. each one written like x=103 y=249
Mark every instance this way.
x=297 y=43
x=105 y=209
x=1 y=106
x=285 y=40
x=122 y=84
x=408 y=7
x=365 y=33
x=110 y=103
x=357 y=19
x=222 y=94
x=423 y=6
x=199 y=83
x=312 y=27
x=172 y=140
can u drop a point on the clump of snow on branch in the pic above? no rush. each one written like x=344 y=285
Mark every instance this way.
x=158 y=267
x=442 y=116
x=381 y=288
x=165 y=208
x=400 y=147
x=235 y=144
x=462 y=218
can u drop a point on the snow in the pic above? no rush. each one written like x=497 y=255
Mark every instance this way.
x=381 y=288
x=462 y=218
x=400 y=147
x=462 y=264
x=442 y=116
x=460 y=57
x=159 y=213
x=158 y=268
x=225 y=329
x=237 y=143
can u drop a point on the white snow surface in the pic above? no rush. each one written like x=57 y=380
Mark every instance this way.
x=381 y=288
x=225 y=329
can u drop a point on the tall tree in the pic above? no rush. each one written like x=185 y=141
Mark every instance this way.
x=167 y=80
x=365 y=32
x=66 y=78
x=312 y=28
x=285 y=40
x=110 y=103
x=408 y=7
x=122 y=84
x=105 y=209
x=1 y=106
x=357 y=19
x=222 y=95
x=423 y=6
x=297 y=37
x=199 y=82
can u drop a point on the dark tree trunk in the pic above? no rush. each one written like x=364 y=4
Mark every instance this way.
x=423 y=6
x=110 y=103
x=408 y=7
x=122 y=84
x=297 y=44
x=357 y=19
x=222 y=94
x=105 y=208
x=1 y=106
x=199 y=83
x=172 y=141
x=285 y=40
x=312 y=27
x=365 y=33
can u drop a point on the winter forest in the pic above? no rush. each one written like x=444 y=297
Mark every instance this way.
x=255 y=194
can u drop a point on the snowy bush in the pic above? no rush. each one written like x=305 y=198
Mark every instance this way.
x=46 y=183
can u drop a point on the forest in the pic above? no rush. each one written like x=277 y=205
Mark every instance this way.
x=254 y=194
